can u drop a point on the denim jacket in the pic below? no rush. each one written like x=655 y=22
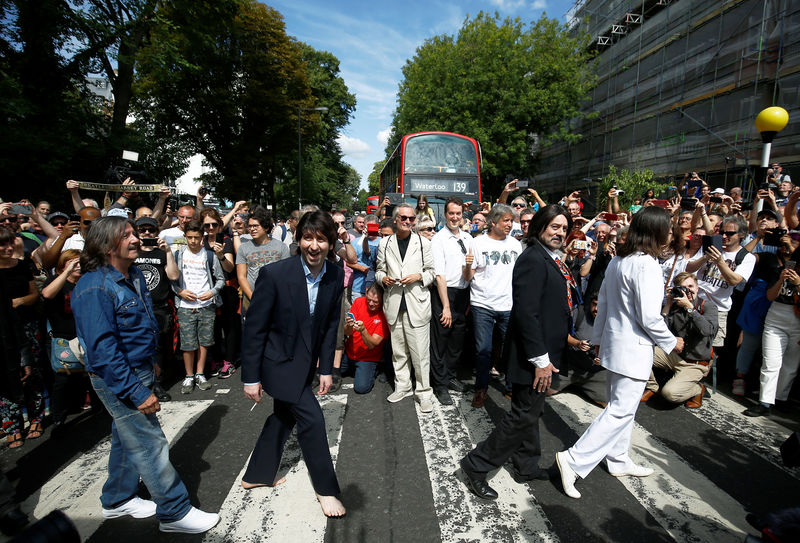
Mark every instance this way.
x=117 y=328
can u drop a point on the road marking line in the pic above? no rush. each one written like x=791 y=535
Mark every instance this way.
x=76 y=489
x=450 y=432
x=683 y=501
x=287 y=512
x=760 y=435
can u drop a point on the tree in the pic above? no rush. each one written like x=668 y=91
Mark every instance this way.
x=509 y=85
x=634 y=182
x=374 y=177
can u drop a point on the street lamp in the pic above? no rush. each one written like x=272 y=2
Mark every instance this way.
x=769 y=122
x=300 y=111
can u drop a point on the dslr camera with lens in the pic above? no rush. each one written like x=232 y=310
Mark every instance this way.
x=679 y=292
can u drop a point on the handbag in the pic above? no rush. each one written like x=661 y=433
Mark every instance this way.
x=66 y=355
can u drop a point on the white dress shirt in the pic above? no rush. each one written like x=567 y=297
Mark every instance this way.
x=449 y=256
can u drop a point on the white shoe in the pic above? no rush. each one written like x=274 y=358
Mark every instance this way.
x=135 y=507
x=193 y=522
x=426 y=405
x=396 y=396
x=568 y=476
x=634 y=470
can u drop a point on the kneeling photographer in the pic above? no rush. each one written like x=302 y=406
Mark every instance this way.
x=694 y=320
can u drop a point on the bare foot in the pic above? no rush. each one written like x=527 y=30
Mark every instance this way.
x=248 y=486
x=331 y=506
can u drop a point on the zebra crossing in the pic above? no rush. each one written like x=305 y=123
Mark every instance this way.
x=712 y=466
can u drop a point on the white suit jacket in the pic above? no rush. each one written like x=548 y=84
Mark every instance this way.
x=629 y=321
x=419 y=259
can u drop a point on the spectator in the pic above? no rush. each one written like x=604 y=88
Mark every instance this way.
x=257 y=253
x=781 y=339
x=71 y=381
x=175 y=236
x=424 y=209
x=718 y=273
x=478 y=224
x=77 y=240
x=198 y=285
x=358 y=225
x=449 y=303
x=157 y=264
x=606 y=250
x=425 y=226
x=767 y=220
x=579 y=260
x=366 y=246
x=405 y=269
x=365 y=336
x=227 y=325
x=695 y=321
x=489 y=265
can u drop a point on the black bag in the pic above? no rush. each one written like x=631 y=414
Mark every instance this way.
x=790 y=451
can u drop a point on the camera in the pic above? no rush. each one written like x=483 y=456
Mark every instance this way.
x=523 y=183
x=679 y=292
x=715 y=199
x=766 y=185
x=772 y=238
x=581 y=245
x=746 y=206
x=204 y=191
x=688 y=204
x=149 y=242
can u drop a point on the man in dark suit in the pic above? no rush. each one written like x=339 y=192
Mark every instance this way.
x=543 y=294
x=292 y=323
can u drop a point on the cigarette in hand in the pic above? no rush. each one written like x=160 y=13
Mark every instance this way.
x=254 y=406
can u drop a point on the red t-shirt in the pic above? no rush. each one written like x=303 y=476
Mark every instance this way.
x=375 y=323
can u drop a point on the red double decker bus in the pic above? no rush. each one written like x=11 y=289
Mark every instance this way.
x=436 y=164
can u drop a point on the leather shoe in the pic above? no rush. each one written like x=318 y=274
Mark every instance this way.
x=455 y=384
x=696 y=401
x=443 y=396
x=635 y=470
x=568 y=475
x=478 y=486
x=647 y=395
x=540 y=475
x=160 y=393
x=759 y=410
x=479 y=398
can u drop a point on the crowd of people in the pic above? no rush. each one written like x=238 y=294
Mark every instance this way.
x=428 y=300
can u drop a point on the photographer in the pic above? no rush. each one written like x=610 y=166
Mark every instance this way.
x=767 y=222
x=694 y=320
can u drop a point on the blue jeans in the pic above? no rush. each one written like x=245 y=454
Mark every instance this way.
x=139 y=448
x=483 y=321
x=365 y=373
x=751 y=343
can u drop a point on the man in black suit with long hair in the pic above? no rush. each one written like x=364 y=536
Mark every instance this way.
x=292 y=323
x=543 y=292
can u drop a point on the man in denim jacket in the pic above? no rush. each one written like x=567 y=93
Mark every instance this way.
x=117 y=328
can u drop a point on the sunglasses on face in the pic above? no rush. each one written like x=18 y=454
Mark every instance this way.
x=428 y=229
x=525 y=222
x=147 y=230
x=404 y=218
x=729 y=234
x=59 y=223
x=340 y=223
x=518 y=205
x=210 y=225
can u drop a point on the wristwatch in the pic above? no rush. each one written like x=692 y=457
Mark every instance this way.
x=690 y=310
x=346 y=242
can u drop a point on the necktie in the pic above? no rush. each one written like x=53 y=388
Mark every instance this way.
x=569 y=279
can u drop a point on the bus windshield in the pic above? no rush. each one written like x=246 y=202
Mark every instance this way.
x=440 y=153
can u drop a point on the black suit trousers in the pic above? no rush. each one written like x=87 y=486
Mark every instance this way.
x=447 y=343
x=516 y=436
x=266 y=458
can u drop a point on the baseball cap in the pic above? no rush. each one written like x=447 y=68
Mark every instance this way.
x=57 y=215
x=771 y=212
x=117 y=212
x=147 y=221
x=718 y=190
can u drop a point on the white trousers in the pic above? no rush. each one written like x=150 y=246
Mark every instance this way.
x=409 y=342
x=781 y=352
x=609 y=436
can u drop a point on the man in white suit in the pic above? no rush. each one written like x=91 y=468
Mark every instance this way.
x=405 y=269
x=627 y=327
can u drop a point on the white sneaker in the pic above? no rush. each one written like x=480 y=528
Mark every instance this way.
x=568 y=476
x=201 y=382
x=135 y=507
x=634 y=470
x=193 y=522
x=426 y=405
x=396 y=396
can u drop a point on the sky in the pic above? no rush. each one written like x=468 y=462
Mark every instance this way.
x=373 y=40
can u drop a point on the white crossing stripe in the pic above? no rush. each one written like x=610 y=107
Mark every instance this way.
x=683 y=501
x=287 y=512
x=450 y=432
x=760 y=435
x=76 y=489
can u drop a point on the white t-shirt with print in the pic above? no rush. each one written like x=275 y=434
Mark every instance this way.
x=494 y=267
x=195 y=278
x=713 y=286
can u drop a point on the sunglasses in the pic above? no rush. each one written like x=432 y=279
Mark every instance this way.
x=59 y=223
x=463 y=248
x=210 y=225
x=428 y=229
x=525 y=222
x=405 y=218
x=517 y=205
x=147 y=230
x=729 y=234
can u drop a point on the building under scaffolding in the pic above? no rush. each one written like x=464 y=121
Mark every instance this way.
x=680 y=83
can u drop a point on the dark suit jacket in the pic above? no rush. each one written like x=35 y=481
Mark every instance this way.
x=540 y=314
x=281 y=343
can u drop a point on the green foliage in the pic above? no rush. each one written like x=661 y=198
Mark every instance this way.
x=635 y=184
x=374 y=177
x=509 y=85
